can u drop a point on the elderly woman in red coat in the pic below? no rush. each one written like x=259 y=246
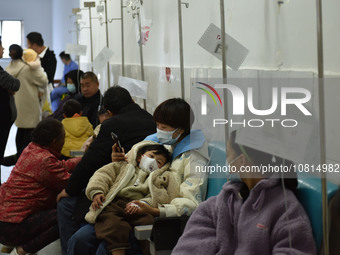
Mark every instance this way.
x=28 y=215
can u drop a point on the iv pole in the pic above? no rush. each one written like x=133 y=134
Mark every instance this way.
x=322 y=126
x=122 y=36
x=141 y=50
x=107 y=45
x=89 y=5
x=181 y=61
x=224 y=68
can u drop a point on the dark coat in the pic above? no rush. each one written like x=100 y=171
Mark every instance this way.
x=7 y=105
x=132 y=124
x=90 y=107
x=49 y=63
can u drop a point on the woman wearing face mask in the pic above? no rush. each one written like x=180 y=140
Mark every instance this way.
x=174 y=119
x=252 y=216
x=61 y=94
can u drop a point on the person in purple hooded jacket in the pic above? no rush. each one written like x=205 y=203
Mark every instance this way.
x=255 y=216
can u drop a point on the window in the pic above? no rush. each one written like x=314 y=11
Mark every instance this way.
x=11 y=33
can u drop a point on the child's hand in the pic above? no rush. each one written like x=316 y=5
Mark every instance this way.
x=132 y=208
x=138 y=207
x=98 y=201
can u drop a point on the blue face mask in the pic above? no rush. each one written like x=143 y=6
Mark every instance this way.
x=165 y=137
x=71 y=88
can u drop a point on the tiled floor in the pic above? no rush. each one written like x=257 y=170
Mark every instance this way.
x=52 y=249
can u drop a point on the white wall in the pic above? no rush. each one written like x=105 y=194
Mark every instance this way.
x=278 y=38
x=35 y=14
x=64 y=29
x=51 y=18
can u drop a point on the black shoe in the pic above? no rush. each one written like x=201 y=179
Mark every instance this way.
x=9 y=160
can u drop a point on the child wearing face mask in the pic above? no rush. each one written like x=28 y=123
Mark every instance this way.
x=120 y=191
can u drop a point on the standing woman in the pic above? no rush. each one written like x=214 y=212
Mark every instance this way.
x=28 y=214
x=26 y=99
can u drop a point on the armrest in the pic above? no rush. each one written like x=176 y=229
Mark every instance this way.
x=76 y=153
x=143 y=232
x=166 y=231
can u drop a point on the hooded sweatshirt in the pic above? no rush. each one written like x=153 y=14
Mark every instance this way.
x=127 y=180
x=228 y=224
x=77 y=130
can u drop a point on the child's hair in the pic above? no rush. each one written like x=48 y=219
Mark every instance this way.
x=158 y=150
x=29 y=55
x=71 y=107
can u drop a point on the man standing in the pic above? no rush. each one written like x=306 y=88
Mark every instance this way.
x=90 y=97
x=69 y=64
x=8 y=86
x=47 y=57
x=131 y=124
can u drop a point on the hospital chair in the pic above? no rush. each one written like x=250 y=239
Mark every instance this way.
x=165 y=232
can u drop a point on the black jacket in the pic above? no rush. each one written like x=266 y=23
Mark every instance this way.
x=90 y=106
x=7 y=105
x=132 y=124
x=49 y=63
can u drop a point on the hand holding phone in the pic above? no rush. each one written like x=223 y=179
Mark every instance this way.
x=116 y=140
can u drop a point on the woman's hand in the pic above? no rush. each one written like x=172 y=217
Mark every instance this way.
x=117 y=155
x=139 y=207
x=62 y=194
x=98 y=200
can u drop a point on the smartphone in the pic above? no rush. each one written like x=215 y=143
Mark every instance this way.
x=116 y=140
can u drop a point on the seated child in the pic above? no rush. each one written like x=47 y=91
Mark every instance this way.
x=120 y=190
x=77 y=128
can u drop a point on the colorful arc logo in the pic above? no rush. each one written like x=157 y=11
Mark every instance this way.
x=204 y=97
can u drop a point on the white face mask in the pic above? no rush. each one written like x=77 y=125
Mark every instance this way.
x=148 y=164
x=165 y=137
x=71 y=87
